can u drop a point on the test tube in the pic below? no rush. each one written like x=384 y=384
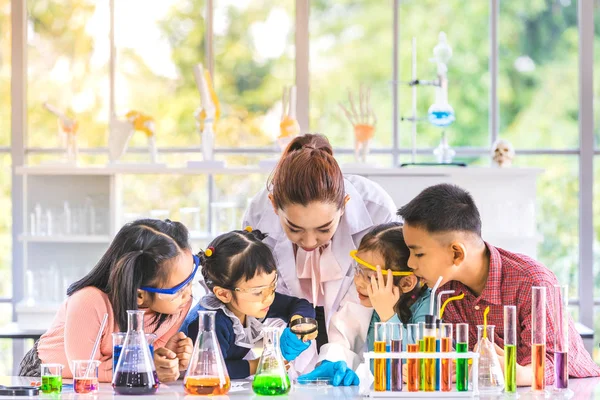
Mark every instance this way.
x=429 y=348
x=538 y=337
x=446 y=347
x=412 y=364
x=395 y=330
x=380 y=363
x=422 y=360
x=438 y=336
x=510 y=348
x=462 y=364
x=388 y=361
x=561 y=337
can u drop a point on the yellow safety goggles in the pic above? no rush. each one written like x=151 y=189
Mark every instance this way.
x=365 y=264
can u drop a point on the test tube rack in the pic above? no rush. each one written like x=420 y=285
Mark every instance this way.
x=473 y=391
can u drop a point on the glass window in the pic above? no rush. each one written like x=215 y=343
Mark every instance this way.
x=254 y=60
x=597 y=73
x=157 y=44
x=68 y=58
x=6 y=350
x=557 y=215
x=597 y=228
x=5 y=59
x=5 y=227
x=466 y=25
x=538 y=73
x=347 y=50
x=176 y=197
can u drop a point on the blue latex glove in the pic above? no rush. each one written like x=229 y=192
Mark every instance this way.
x=291 y=346
x=338 y=372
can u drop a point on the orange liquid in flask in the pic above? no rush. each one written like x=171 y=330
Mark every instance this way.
x=206 y=385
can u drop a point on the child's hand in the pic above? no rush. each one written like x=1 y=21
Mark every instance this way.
x=167 y=365
x=383 y=295
x=182 y=346
x=290 y=345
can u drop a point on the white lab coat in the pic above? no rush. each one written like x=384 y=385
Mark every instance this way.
x=369 y=205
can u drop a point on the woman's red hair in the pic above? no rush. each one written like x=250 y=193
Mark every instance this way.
x=307 y=172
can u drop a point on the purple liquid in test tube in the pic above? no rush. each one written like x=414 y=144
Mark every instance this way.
x=561 y=338
x=561 y=370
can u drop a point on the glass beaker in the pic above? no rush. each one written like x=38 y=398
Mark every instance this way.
x=85 y=376
x=490 y=375
x=271 y=377
x=51 y=378
x=118 y=339
x=135 y=372
x=207 y=373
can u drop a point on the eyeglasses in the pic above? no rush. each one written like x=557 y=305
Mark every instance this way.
x=259 y=293
x=175 y=292
x=366 y=270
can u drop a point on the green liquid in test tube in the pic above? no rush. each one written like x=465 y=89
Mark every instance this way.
x=510 y=349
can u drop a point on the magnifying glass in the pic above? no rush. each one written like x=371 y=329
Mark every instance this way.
x=303 y=326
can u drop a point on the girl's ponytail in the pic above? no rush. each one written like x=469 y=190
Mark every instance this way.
x=255 y=234
x=123 y=282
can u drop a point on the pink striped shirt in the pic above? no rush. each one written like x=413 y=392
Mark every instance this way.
x=76 y=325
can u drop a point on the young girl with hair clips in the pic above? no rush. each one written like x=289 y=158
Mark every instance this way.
x=387 y=289
x=241 y=275
x=148 y=266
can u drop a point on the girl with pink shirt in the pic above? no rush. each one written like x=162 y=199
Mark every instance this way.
x=148 y=266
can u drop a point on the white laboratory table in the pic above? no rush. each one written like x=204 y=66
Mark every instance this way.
x=588 y=388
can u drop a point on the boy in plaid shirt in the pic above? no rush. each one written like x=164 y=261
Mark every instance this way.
x=442 y=228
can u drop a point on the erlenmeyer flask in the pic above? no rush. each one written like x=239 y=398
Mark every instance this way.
x=491 y=377
x=271 y=378
x=135 y=372
x=207 y=373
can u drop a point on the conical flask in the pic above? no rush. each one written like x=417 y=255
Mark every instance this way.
x=135 y=372
x=206 y=373
x=271 y=378
x=490 y=375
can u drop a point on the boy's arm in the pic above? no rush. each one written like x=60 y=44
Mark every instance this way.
x=285 y=307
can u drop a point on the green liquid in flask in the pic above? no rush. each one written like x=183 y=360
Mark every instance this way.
x=270 y=385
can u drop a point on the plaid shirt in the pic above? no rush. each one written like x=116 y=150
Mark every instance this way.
x=510 y=279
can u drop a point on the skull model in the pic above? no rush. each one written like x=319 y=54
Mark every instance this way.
x=503 y=153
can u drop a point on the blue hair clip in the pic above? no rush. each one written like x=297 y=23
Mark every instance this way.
x=177 y=288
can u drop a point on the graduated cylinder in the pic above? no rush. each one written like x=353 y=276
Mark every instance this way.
x=561 y=337
x=538 y=337
x=510 y=349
